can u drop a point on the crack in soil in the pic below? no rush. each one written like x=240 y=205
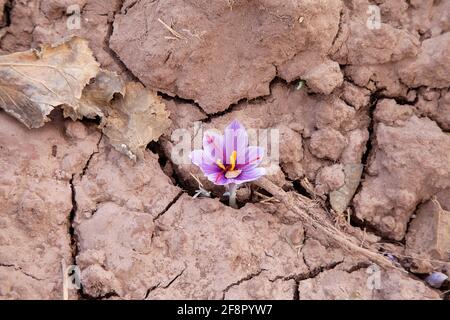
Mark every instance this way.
x=317 y=271
x=408 y=224
x=343 y=20
x=231 y=107
x=374 y=97
x=7 y=9
x=349 y=80
x=311 y=274
x=129 y=6
x=180 y=100
x=358 y=266
x=111 y=52
x=18 y=268
x=7 y=14
x=338 y=33
x=244 y=100
x=163 y=160
x=73 y=211
x=210 y=116
x=240 y=281
x=86 y=166
x=107 y=295
x=300 y=189
x=296 y=295
x=370 y=145
x=149 y=290
x=166 y=286
x=171 y=203
x=174 y=279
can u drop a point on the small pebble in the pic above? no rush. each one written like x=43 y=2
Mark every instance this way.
x=436 y=279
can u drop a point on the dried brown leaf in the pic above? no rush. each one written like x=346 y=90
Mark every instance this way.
x=33 y=82
x=97 y=96
x=135 y=119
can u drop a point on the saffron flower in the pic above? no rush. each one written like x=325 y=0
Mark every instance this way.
x=228 y=160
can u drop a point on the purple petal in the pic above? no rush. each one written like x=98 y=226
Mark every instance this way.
x=213 y=146
x=235 y=125
x=253 y=157
x=210 y=169
x=250 y=175
x=218 y=178
x=235 y=139
x=199 y=158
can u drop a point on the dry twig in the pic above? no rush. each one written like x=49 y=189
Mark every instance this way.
x=176 y=34
x=310 y=213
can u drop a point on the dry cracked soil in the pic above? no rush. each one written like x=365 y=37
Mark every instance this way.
x=363 y=113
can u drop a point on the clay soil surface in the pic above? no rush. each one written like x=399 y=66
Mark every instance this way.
x=362 y=107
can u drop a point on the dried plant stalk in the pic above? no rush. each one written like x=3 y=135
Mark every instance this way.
x=310 y=214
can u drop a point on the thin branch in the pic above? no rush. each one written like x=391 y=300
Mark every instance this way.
x=311 y=214
x=171 y=30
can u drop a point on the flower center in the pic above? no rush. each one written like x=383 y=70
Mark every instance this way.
x=232 y=174
x=229 y=170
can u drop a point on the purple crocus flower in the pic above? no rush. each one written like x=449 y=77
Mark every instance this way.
x=227 y=159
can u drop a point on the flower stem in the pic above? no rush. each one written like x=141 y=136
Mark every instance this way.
x=232 y=190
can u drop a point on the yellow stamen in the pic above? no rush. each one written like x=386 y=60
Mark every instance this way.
x=233 y=160
x=220 y=164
